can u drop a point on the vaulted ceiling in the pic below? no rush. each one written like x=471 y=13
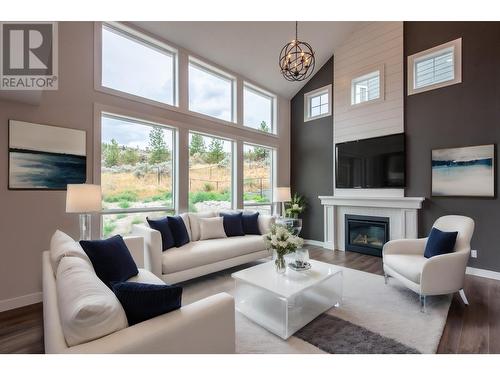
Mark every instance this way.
x=251 y=49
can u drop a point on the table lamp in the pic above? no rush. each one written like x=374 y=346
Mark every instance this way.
x=282 y=195
x=84 y=199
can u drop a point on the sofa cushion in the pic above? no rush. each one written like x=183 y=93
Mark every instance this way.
x=162 y=226
x=233 y=224
x=201 y=253
x=440 y=243
x=88 y=309
x=265 y=223
x=194 y=221
x=145 y=301
x=211 y=228
x=62 y=245
x=250 y=222
x=111 y=259
x=179 y=230
x=185 y=219
x=407 y=265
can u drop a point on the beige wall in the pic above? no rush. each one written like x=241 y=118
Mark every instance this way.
x=30 y=217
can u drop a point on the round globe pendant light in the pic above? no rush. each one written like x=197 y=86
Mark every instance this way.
x=296 y=59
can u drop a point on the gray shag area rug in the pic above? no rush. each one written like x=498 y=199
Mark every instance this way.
x=373 y=318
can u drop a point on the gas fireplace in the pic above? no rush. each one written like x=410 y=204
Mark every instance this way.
x=366 y=234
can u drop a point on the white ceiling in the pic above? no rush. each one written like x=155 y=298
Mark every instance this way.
x=251 y=49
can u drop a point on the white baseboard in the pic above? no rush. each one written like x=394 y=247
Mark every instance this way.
x=16 y=302
x=483 y=273
x=314 y=243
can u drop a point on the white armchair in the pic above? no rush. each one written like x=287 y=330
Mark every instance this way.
x=441 y=274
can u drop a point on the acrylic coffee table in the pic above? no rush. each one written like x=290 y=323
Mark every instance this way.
x=285 y=303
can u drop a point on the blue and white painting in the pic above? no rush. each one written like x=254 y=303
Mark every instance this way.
x=464 y=171
x=45 y=157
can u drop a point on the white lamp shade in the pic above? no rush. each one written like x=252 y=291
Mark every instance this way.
x=83 y=198
x=282 y=194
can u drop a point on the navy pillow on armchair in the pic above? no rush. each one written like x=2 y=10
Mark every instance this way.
x=439 y=243
x=145 y=301
x=162 y=226
x=111 y=259
x=179 y=231
x=233 y=225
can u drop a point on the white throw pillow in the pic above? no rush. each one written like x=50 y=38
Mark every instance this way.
x=194 y=220
x=185 y=219
x=87 y=307
x=212 y=227
x=62 y=245
x=265 y=223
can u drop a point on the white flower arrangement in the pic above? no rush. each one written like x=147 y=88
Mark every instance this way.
x=282 y=241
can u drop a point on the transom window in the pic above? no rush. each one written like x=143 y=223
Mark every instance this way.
x=258 y=109
x=137 y=172
x=436 y=67
x=211 y=92
x=318 y=103
x=136 y=64
x=258 y=178
x=366 y=88
x=210 y=173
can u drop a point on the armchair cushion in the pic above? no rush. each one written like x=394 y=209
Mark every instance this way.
x=111 y=259
x=440 y=243
x=408 y=265
x=145 y=301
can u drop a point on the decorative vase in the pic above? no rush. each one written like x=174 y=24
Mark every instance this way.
x=279 y=263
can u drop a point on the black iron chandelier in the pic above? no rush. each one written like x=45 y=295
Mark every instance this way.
x=296 y=59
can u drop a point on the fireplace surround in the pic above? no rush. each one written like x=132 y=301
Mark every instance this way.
x=366 y=234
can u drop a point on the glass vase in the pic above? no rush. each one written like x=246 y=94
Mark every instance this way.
x=279 y=263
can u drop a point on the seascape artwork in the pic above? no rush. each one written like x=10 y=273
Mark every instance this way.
x=45 y=157
x=464 y=171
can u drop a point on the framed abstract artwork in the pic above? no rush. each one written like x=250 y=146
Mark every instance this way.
x=464 y=171
x=43 y=157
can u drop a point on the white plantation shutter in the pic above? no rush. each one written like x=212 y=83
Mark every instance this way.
x=433 y=69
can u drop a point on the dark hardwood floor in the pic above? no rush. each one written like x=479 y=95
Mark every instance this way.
x=469 y=329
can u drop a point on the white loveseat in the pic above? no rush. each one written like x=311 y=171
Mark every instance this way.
x=205 y=326
x=200 y=257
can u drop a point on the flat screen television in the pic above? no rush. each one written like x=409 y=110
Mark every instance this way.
x=373 y=163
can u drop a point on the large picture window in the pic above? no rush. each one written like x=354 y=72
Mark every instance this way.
x=210 y=92
x=258 y=109
x=136 y=64
x=258 y=178
x=137 y=172
x=210 y=173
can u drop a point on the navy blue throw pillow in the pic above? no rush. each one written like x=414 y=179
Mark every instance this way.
x=233 y=224
x=251 y=223
x=179 y=231
x=111 y=259
x=162 y=226
x=145 y=301
x=439 y=243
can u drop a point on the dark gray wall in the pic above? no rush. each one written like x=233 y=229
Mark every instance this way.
x=460 y=115
x=312 y=155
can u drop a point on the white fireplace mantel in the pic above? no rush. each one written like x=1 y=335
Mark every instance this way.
x=401 y=211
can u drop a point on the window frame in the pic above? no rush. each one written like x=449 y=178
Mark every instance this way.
x=219 y=73
x=313 y=94
x=175 y=173
x=234 y=164
x=412 y=60
x=146 y=40
x=365 y=72
x=274 y=175
x=274 y=115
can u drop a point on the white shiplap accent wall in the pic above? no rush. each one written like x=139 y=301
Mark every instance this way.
x=368 y=47
x=372 y=44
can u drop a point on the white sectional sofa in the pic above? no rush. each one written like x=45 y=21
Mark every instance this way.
x=205 y=326
x=200 y=257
